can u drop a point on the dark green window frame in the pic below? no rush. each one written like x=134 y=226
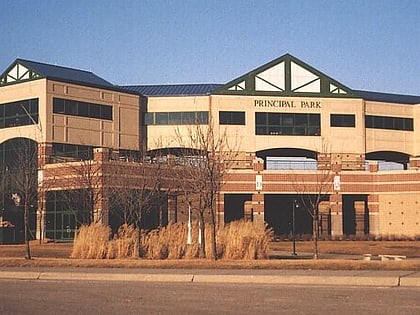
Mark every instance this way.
x=19 y=113
x=231 y=118
x=81 y=109
x=342 y=120
x=287 y=124
x=389 y=123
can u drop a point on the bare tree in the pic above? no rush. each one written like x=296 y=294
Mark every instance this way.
x=24 y=181
x=135 y=189
x=203 y=168
x=312 y=189
x=83 y=183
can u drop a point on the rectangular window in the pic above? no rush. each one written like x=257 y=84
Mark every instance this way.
x=202 y=118
x=149 y=119
x=342 y=120
x=389 y=123
x=64 y=151
x=162 y=118
x=188 y=118
x=287 y=124
x=231 y=118
x=82 y=109
x=176 y=118
x=20 y=113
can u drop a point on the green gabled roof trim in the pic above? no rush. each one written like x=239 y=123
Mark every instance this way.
x=280 y=77
x=17 y=73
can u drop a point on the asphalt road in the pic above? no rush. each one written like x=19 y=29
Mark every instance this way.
x=133 y=297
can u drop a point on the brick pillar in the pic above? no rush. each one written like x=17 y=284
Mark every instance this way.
x=373 y=166
x=414 y=162
x=258 y=207
x=44 y=153
x=248 y=211
x=220 y=209
x=101 y=206
x=172 y=209
x=44 y=157
x=336 y=205
x=324 y=220
x=373 y=210
x=101 y=154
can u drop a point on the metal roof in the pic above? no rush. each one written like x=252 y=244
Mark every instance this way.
x=174 y=89
x=388 y=98
x=72 y=75
x=65 y=74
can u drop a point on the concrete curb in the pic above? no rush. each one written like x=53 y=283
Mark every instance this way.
x=383 y=281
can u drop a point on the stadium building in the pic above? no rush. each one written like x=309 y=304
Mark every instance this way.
x=297 y=132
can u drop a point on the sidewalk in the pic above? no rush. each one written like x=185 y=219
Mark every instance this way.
x=281 y=277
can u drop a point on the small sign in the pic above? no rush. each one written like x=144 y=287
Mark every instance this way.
x=40 y=177
x=258 y=182
x=337 y=183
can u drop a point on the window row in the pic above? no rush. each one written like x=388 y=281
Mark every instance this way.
x=82 y=109
x=287 y=124
x=387 y=122
x=20 y=113
x=176 y=118
x=64 y=151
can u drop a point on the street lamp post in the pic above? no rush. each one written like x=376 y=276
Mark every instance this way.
x=295 y=205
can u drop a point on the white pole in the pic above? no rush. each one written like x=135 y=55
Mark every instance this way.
x=189 y=238
x=199 y=232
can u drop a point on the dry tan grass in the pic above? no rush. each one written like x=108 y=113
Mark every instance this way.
x=244 y=240
x=237 y=240
x=124 y=243
x=91 y=241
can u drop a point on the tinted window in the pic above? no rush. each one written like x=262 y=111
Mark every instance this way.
x=287 y=124
x=82 y=109
x=19 y=113
x=389 y=122
x=342 y=120
x=232 y=118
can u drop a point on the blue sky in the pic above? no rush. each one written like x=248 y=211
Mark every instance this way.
x=372 y=45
